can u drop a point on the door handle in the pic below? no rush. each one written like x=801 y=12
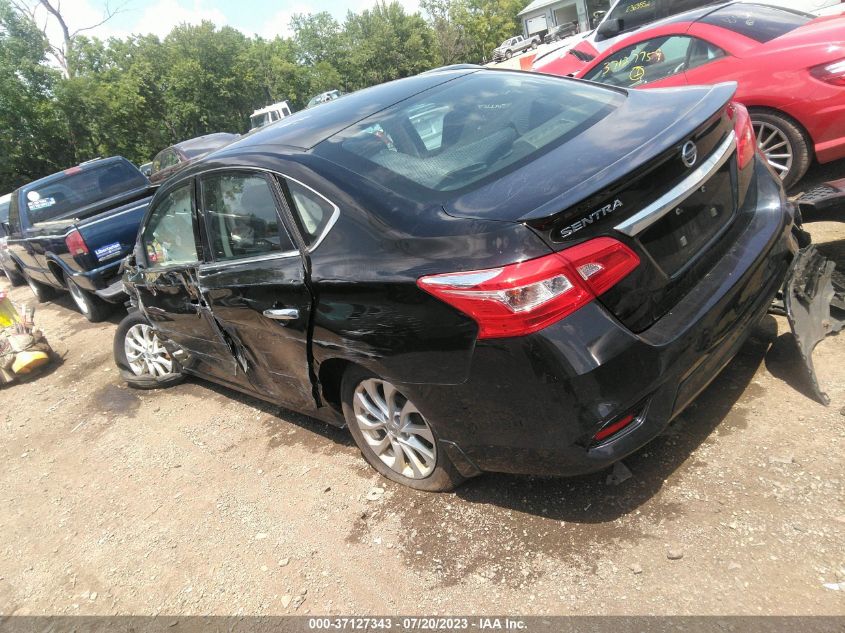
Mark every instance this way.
x=287 y=314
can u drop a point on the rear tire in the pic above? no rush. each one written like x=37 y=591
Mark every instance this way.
x=784 y=143
x=393 y=435
x=43 y=293
x=90 y=305
x=137 y=358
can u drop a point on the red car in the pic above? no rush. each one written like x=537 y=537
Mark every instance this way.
x=790 y=67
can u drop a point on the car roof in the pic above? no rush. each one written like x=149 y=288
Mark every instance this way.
x=209 y=140
x=308 y=128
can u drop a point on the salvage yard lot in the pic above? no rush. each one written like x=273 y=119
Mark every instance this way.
x=197 y=500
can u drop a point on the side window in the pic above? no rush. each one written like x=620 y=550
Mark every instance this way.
x=643 y=63
x=312 y=211
x=169 y=237
x=242 y=217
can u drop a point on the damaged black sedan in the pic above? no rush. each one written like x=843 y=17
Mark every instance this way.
x=473 y=270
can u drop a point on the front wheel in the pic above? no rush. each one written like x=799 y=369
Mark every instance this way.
x=784 y=145
x=393 y=435
x=92 y=307
x=142 y=358
x=508 y=54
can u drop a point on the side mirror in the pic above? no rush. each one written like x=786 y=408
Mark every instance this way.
x=610 y=28
x=147 y=171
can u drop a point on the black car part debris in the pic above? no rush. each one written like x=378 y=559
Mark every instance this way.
x=815 y=306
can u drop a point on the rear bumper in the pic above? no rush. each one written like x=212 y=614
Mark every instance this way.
x=532 y=405
x=105 y=282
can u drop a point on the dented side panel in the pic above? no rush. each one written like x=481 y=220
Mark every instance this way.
x=272 y=355
x=172 y=301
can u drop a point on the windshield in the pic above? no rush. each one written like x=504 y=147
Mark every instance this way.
x=78 y=188
x=469 y=129
x=259 y=120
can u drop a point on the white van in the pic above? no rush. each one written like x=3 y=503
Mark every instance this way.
x=270 y=114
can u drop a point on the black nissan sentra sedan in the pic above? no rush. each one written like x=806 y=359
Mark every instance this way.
x=473 y=270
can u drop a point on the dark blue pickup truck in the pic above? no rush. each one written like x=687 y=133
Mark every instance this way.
x=70 y=231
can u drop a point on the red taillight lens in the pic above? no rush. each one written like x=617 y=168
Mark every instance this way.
x=613 y=429
x=522 y=298
x=75 y=244
x=830 y=73
x=746 y=140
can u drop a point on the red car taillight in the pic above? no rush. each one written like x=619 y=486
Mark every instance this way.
x=75 y=244
x=746 y=140
x=522 y=298
x=830 y=73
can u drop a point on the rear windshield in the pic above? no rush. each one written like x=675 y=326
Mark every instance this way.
x=78 y=188
x=470 y=129
x=758 y=22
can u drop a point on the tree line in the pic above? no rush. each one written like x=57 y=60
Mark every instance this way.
x=137 y=95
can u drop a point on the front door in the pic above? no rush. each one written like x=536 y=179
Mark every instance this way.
x=168 y=286
x=255 y=284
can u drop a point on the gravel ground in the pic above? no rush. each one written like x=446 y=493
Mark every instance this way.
x=198 y=500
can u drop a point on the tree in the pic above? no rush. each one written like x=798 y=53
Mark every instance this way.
x=33 y=139
x=385 y=43
x=452 y=43
x=61 y=52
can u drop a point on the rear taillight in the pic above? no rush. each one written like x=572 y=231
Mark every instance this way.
x=830 y=73
x=746 y=141
x=75 y=244
x=614 y=428
x=522 y=298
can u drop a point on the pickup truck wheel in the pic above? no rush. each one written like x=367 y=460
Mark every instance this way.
x=534 y=45
x=392 y=434
x=508 y=54
x=143 y=361
x=14 y=277
x=91 y=306
x=42 y=292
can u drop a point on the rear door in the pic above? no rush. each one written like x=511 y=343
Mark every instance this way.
x=168 y=287
x=256 y=283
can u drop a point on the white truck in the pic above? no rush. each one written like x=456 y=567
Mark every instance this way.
x=514 y=45
x=270 y=114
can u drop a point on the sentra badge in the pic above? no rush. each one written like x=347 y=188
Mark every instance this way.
x=598 y=214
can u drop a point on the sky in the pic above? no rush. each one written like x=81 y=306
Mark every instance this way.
x=259 y=17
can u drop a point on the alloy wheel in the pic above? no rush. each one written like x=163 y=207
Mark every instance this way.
x=78 y=298
x=775 y=145
x=394 y=429
x=145 y=354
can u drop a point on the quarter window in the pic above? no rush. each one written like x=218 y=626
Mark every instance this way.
x=242 y=217
x=170 y=237
x=313 y=212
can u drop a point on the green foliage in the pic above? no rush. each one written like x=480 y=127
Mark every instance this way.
x=135 y=96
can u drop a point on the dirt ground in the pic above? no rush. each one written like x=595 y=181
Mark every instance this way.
x=197 y=500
